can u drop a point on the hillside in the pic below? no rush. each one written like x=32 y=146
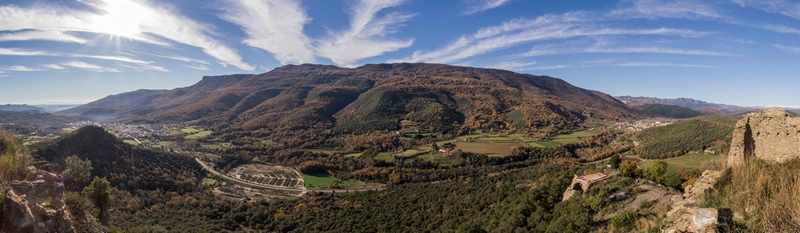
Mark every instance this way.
x=103 y=106
x=684 y=136
x=683 y=102
x=308 y=100
x=671 y=111
x=37 y=118
x=124 y=165
x=21 y=108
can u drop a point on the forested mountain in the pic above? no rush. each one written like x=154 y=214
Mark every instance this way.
x=671 y=111
x=313 y=100
x=683 y=102
x=684 y=136
x=125 y=166
x=103 y=106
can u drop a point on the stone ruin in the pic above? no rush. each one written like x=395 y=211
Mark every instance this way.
x=771 y=135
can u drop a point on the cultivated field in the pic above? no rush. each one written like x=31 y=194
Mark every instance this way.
x=492 y=148
x=688 y=162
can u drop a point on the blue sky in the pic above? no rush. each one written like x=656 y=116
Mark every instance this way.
x=743 y=52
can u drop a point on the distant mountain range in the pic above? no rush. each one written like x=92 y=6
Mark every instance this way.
x=100 y=108
x=21 y=108
x=683 y=102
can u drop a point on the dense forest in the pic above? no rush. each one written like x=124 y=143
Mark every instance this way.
x=671 y=111
x=689 y=135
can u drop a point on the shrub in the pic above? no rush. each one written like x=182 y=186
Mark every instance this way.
x=629 y=169
x=76 y=204
x=614 y=161
x=624 y=220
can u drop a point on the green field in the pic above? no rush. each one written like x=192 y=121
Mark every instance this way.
x=488 y=148
x=385 y=156
x=189 y=130
x=199 y=134
x=132 y=142
x=688 y=162
x=319 y=180
x=209 y=182
x=495 y=139
x=550 y=143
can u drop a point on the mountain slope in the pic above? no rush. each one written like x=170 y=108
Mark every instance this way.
x=684 y=136
x=309 y=100
x=670 y=111
x=124 y=165
x=37 y=118
x=102 y=106
x=683 y=102
x=21 y=108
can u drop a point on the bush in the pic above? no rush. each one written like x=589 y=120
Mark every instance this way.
x=625 y=220
x=76 y=205
x=614 y=161
x=629 y=169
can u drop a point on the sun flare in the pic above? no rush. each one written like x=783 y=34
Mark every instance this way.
x=120 y=18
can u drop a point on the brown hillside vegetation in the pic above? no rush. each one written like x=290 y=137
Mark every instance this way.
x=309 y=100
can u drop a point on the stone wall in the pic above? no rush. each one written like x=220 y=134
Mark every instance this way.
x=771 y=135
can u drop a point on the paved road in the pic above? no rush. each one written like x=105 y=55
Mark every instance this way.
x=238 y=181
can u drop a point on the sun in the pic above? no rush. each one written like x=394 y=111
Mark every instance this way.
x=120 y=18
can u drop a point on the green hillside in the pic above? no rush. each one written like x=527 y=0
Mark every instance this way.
x=124 y=165
x=684 y=136
x=671 y=111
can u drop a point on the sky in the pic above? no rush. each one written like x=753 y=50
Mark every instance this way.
x=743 y=52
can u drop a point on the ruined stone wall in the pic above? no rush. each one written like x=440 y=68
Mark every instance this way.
x=771 y=135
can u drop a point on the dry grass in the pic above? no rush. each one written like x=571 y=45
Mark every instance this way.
x=766 y=194
x=13 y=161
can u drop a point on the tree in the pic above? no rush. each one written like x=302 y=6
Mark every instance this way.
x=99 y=193
x=656 y=171
x=78 y=170
x=629 y=169
x=614 y=161
x=435 y=147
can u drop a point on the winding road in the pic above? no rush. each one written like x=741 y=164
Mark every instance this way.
x=303 y=191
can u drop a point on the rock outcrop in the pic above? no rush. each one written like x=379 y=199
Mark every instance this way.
x=37 y=205
x=686 y=215
x=771 y=135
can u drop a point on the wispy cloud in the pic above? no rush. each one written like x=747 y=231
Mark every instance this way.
x=275 y=26
x=791 y=49
x=178 y=58
x=523 y=66
x=475 y=6
x=112 y=58
x=517 y=32
x=661 y=64
x=198 y=67
x=601 y=47
x=783 y=7
x=654 y=9
x=366 y=36
x=90 y=67
x=138 y=20
x=42 y=35
x=53 y=66
x=22 y=52
x=20 y=68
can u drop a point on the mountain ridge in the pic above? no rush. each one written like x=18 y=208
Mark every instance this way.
x=682 y=102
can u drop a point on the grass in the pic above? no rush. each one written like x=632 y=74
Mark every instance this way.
x=765 y=193
x=132 y=142
x=319 y=180
x=209 y=182
x=199 y=135
x=688 y=162
x=385 y=156
x=488 y=148
x=190 y=130
x=551 y=143
x=495 y=139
